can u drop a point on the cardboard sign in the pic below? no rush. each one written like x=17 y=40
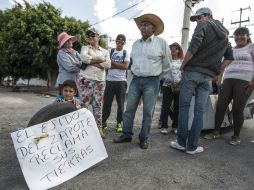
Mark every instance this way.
x=55 y=151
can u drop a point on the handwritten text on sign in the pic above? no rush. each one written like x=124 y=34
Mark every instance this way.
x=59 y=149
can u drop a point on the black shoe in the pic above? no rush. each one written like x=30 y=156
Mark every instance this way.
x=143 y=144
x=122 y=139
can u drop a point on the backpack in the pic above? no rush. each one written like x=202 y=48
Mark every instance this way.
x=124 y=55
x=112 y=51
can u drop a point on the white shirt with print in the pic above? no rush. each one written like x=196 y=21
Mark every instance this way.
x=118 y=74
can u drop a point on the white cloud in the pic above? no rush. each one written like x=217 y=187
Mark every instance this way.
x=13 y=2
x=116 y=25
x=172 y=19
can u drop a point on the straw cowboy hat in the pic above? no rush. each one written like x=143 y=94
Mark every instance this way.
x=153 y=19
x=64 y=37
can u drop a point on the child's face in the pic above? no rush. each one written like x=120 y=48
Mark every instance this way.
x=68 y=93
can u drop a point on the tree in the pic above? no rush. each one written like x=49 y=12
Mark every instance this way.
x=28 y=39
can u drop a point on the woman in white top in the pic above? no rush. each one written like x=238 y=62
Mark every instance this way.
x=238 y=83
x=92 y=80
x=171 y=90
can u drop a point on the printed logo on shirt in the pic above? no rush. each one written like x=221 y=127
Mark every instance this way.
x=117 y=58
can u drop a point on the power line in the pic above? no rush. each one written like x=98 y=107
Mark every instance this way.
x=240 y=21
x=139 y=12
x=117 y=13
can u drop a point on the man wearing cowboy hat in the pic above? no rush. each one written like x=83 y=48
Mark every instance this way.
x=202 y=62
x=150 y=58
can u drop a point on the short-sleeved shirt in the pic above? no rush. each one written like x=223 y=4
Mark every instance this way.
x=118 y=74
x=243 y=65
x=174 y=74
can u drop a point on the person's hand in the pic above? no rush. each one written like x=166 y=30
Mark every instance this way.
x=76 y=102
x=216 y=78
x=249 y=88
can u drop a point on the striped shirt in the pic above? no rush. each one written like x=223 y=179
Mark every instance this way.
x=151 y=57
x=243 y=65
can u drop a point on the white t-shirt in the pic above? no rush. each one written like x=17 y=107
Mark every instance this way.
x=174 y=74
x=118 y=74
x=243 y=65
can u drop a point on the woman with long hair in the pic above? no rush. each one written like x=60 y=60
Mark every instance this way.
x=171 y=90
x=238 y=84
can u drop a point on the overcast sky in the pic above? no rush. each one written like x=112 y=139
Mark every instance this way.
x=170 y=11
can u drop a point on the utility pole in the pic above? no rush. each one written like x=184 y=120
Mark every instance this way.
x=186 y=22
x=240 y=21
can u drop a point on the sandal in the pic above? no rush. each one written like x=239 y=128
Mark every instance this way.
x=213 y=135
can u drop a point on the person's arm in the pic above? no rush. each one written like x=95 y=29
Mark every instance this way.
x=218 y=78
x=122 y=66
x=196 y=41
x=228 y=58
x=166 y=59
x=90 y=59
x=187 y=57
x=250 y=87
x=64 y=60
x=106 y=64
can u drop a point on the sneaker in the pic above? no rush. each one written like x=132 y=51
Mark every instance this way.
x=199 y=149
x=102 y=132
x=164 y=131
x=175 y=145
x=119 y=128
x=104 y=126
x=143 y=144
x=159 y=125
x=174 y=131
x=235 y=140
x=213 y=135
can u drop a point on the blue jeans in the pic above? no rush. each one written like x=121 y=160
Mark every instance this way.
x=148 y=88
x=200 y=84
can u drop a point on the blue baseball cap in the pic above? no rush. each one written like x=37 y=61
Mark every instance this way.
x=201 y=11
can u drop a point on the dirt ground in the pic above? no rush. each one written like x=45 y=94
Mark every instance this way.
x=221 y=166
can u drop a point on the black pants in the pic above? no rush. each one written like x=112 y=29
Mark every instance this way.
x=113 y=88
x=167 y=98
x=232 y=89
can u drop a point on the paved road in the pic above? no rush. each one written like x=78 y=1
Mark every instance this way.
x=221 y=166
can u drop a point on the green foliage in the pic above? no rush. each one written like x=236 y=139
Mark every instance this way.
x=28 y=39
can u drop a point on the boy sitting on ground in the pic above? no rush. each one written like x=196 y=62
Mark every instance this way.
x=70 y=93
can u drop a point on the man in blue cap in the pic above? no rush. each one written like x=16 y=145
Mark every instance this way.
x=202 y=63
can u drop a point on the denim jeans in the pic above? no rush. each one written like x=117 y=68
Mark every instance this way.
x=148 y=88
x=200 y=85
x=117 y=89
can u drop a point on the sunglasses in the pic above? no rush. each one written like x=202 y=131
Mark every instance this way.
x=120 y=42
x=91 y=35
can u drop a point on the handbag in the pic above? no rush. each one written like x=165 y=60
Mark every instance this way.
x=175 y=87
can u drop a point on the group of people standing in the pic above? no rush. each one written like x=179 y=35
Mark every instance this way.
x=209 y=56
x=89 y=70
